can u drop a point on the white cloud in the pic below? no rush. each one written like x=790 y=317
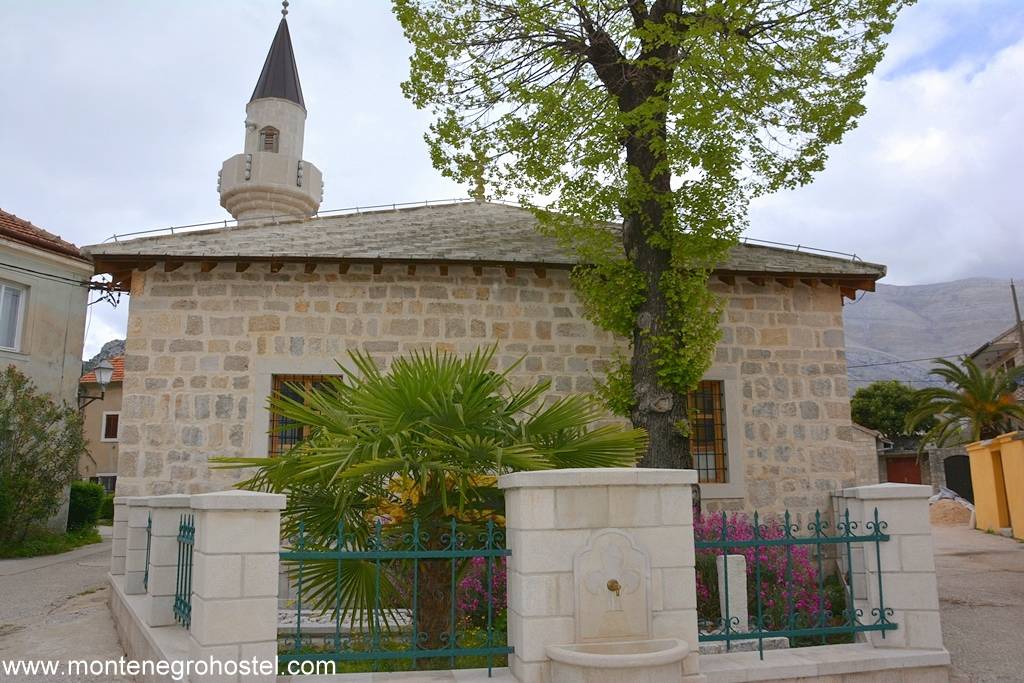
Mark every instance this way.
x=929 y=183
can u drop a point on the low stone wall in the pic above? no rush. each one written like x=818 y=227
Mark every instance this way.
x=633 y=526
x=859 y=663
x=141 y=642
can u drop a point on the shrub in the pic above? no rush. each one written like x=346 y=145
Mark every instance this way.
x=86 y=499
x=40 y=443
x=43 y=542
x=426 y=439
x=472 y=594
x=107 y=507
x=777 y=594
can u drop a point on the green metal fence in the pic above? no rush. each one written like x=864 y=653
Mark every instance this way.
x=787 y=590
x=403 y=597
x=149 y=541
x=183 y=585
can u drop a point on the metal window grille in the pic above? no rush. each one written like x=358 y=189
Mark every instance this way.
x=707 y=433
x=284 y=434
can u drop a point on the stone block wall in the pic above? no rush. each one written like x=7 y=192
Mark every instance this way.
x=202 y=347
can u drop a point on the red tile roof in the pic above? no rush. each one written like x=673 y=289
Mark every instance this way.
x=117 y=362
x=20 y=230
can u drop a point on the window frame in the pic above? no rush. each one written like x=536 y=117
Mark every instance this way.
x=100 y=476
x=736 y=443
x=19 y=323
x=103 y=426
x=276 y=139
x=718 y=445
x=276 y=446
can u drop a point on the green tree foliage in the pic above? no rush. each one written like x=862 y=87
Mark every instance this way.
x=107 y=507
x=84 y=508
x=884 y=406
x=425 y=440
x=976 y=404
x=669 y=115
x=40 y=443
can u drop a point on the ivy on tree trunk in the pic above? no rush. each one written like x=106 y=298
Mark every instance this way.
x=646 y=126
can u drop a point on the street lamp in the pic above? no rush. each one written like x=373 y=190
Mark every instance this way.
x=104 y=371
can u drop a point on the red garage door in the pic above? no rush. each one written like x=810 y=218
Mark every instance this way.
x=903 y=470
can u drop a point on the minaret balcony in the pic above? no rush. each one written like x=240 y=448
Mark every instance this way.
x=271 y=186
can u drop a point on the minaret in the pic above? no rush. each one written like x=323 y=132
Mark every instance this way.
x=270 y=181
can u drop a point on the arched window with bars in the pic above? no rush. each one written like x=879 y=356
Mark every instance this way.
x=269 y=139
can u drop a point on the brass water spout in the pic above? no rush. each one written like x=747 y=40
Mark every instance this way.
x=614 y=586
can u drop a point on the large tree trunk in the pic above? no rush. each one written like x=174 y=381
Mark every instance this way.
x=656 y=408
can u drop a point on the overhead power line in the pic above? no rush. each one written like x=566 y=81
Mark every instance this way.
x=904 y=381
x=898 y=362
x=49 y=276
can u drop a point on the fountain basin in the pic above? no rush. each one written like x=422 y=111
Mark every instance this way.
x=651 y=661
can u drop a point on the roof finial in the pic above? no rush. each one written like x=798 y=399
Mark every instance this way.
x=284 y=9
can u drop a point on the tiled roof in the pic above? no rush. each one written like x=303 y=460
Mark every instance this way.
x=118 y=376
x=20 y=230
x=466 y=232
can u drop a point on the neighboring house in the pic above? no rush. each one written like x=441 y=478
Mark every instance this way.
x=43 y=297
x=1004 y=352
x=872 y=445
x=219 y=319
x=900 y=461
x=101 y=422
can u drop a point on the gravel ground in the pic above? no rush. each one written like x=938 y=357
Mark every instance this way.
x=55 y=608
x=981 y=597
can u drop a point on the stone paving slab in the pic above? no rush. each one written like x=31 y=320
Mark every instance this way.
x=981 y=599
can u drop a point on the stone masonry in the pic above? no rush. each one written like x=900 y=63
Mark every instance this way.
x=202 y=347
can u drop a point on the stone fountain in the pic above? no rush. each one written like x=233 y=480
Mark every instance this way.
x=601 y=581
x=612 y=579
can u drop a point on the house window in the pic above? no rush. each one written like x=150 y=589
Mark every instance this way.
x=108 y=481
x=268 y=139
x=707 y=436
x=109 y=427
x=283 y=437
x=12 y=315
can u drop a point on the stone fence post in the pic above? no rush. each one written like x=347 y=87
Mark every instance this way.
x=135 y=553
x=234 y=577
x=118 y=547
x=166 y=512
x=553 y=518
x=732 y=572
x=905 y=564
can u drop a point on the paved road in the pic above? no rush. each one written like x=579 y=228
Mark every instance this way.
x=55 y=607
x=981 y=596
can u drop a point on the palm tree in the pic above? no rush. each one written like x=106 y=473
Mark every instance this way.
x=424 y=441
x=974 y=405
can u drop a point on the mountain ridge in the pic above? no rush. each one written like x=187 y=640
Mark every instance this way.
x=908 y=322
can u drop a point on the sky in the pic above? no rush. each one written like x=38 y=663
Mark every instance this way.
x=118 y=114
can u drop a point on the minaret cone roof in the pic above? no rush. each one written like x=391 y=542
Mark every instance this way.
x=280 y=76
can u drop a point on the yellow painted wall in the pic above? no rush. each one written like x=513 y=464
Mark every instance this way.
x=1013 y=475
x=997 y=474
